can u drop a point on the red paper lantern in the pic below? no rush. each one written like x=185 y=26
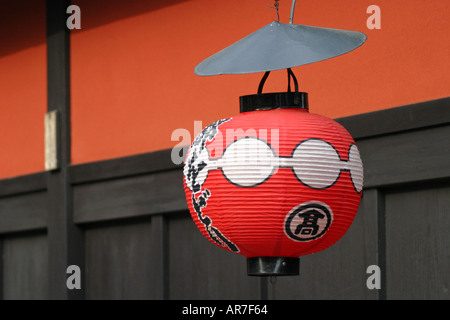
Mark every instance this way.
x=273 y=184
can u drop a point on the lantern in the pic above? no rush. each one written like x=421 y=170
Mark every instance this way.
x=275 y=182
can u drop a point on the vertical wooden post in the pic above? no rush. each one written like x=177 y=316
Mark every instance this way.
x=65 y=239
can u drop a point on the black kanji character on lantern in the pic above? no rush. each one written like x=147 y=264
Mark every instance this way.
x=309 y=225
x=194 y=164
x=308 y=221
x=193 y=168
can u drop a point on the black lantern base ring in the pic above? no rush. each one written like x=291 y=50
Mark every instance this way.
x=273 y=266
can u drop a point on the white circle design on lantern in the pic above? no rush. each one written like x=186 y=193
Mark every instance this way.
x=249 y=161
x=316 y=163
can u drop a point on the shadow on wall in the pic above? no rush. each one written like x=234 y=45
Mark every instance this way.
x=23 y=25
x=95 y=13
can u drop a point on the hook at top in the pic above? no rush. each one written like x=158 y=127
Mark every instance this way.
x=291 y=19
x=276 y=8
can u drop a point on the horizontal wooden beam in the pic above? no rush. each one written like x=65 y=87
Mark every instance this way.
x=399 y=119
x=23 y=184
x=127 y=197
x=146 y=163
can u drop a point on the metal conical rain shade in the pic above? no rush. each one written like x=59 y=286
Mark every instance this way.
x=280 y=46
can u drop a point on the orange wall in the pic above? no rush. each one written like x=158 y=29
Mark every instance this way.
x=23 y=89
x=132 y=67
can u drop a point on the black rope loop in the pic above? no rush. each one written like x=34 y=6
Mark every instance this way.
x=290 y=75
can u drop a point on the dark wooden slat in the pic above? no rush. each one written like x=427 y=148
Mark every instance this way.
x=23 y=184
x=404 y=118
x=418 y=243
x=200 y=270
x=119 y=261
x=23 y=212
x=122 y=167
x=406 y=157
x=157 y=193
x=159 y=264
x=26 y=269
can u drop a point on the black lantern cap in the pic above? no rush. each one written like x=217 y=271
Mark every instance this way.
x=273 y=266
x=274 y=100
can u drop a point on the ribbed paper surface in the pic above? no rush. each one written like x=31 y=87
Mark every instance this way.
x=274 y=183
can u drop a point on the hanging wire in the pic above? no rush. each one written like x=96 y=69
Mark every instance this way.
x=276 y=7
x=291 y=19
